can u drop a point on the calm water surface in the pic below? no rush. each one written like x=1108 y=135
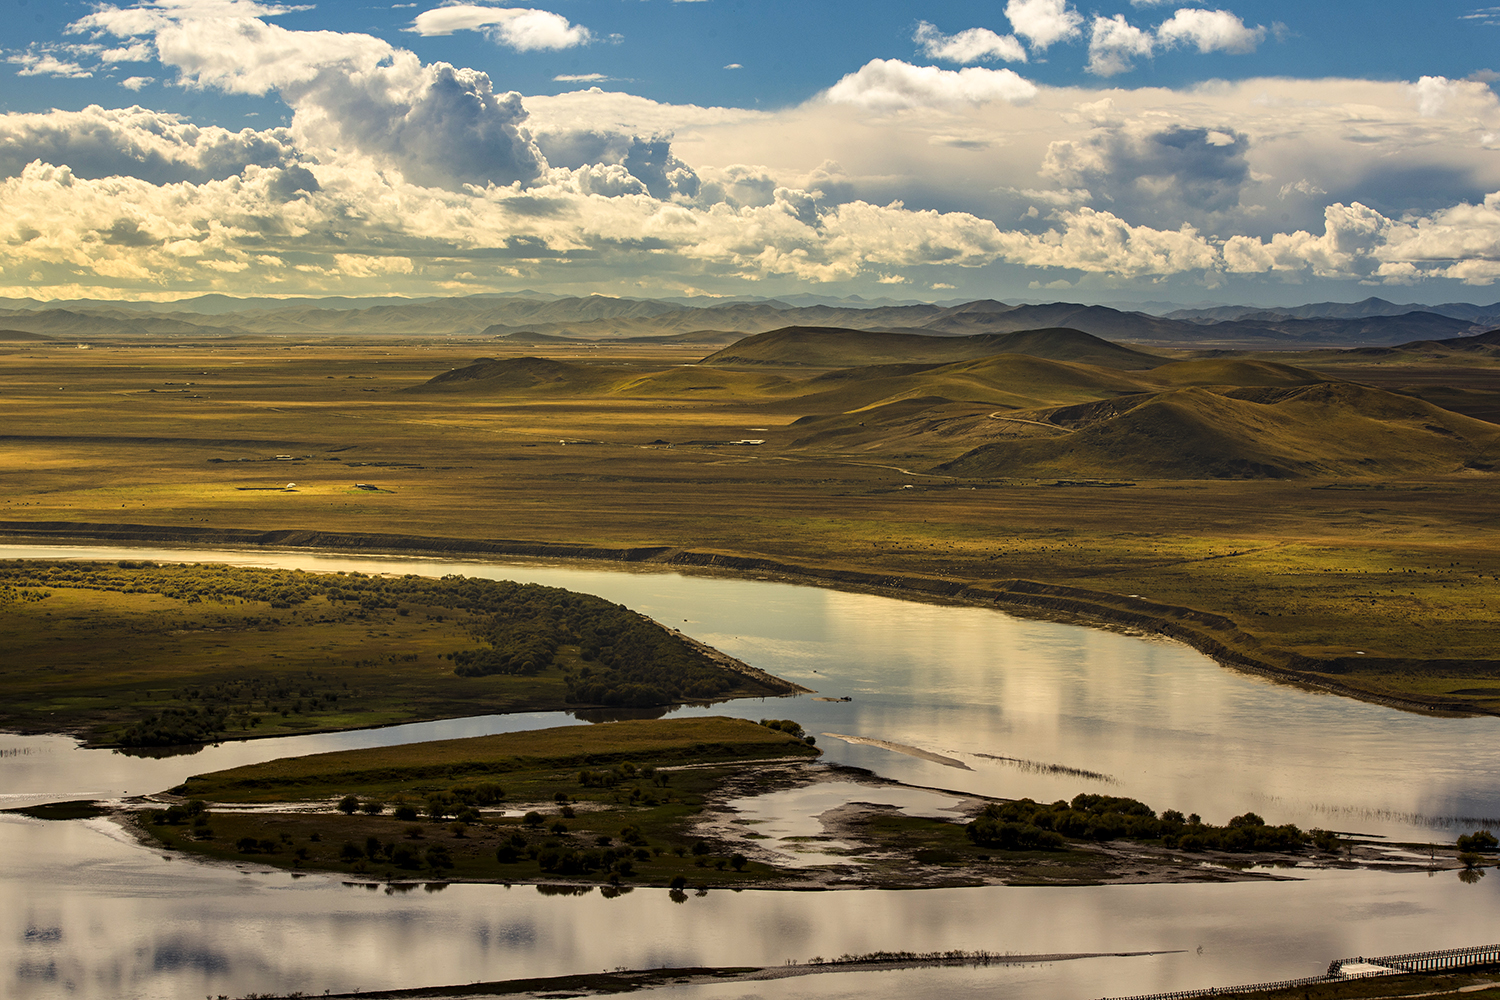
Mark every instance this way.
x=1022 y=705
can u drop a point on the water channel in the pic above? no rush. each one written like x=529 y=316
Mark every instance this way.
x=1021 y=707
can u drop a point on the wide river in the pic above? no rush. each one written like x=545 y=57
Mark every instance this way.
x=1028 y=708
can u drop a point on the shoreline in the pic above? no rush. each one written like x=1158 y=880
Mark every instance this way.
x=1213 y=635
x=611 y=983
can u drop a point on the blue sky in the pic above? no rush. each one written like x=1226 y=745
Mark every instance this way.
x=1251 y=151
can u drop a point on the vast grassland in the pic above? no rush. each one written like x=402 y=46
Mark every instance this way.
x=1382 y=582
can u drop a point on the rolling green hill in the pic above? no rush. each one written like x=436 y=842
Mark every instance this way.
x=1328 y=428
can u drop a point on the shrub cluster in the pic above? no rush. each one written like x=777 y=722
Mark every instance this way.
x=176 y=726
x=1025 y=825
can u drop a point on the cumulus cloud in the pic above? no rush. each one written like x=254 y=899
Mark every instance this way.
x=1210 y=31
x=34 y=63
x=968 y=46
x=892 y=85
x=1115 y=44
x=351 y=93
x=134 y=142
x=1193 y=169
x=1102 y=243
x=404 y=176
x=647 y=161
x=1043 y=22
x=1433 y=93
x=137 y=82
x=521 y=28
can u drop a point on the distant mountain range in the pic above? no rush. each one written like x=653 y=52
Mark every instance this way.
x=1364 y=309
x=1371 y=323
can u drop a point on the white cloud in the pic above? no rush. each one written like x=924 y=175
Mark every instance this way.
x=521 y=28
x=1303 y=186
x=47 y=64
x=1210 y=31
x=580 y=78
x=134 y=52
x=1043 y=22
x=352 y=94
x=137 y=82
x=1115 y=44
x=890 y=85
x=357 y=265
x=968 y=46
x=1432 y=94
x=1102 y=243
x=421 y=177
x=155 y=146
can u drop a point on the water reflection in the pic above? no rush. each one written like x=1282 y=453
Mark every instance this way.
x=995 y=692
x=1168 y=725
x=116 y=921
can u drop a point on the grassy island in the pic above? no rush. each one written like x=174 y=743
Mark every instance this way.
x=649 y=803
x=145 y=655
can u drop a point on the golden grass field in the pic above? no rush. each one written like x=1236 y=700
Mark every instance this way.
x=1399 y=563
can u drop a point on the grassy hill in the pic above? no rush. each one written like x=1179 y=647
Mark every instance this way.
x=521 y=375
x=1008 y=381
x=1327 y=428
x=1232 y=372
x=836 y=347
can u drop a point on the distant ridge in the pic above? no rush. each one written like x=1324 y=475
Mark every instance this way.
x=693 y=337
x=1363 y=309
x=600 y=318
x=836 y=347
x=21 y=336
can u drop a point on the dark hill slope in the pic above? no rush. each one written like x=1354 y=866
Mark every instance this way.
x=836 y=347
x=1329 y=428
x=520 y=375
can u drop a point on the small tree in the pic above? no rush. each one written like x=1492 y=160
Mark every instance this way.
x=737 y=862
x=349 y=805
x=1479 y=840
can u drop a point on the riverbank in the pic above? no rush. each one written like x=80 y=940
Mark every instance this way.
x=1406 y=683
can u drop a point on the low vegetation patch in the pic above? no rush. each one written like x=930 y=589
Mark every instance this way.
x=606 y=802
x=1028 y=825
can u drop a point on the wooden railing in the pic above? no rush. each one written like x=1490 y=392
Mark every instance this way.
x=1421 y=961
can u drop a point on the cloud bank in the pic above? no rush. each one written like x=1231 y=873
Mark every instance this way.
x=399 y=174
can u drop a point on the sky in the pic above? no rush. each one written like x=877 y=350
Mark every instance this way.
x=1259 y=151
